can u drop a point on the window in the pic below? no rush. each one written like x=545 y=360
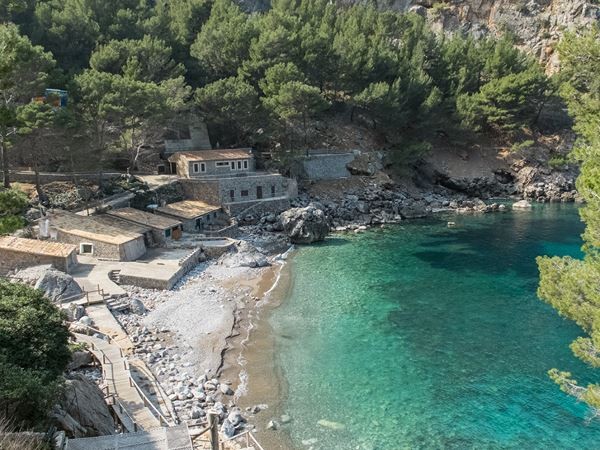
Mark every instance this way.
x=245 y=164
x=195 y=168
x=239 y=165
x=244 y=193
x=86 y=249
x=222 y=164
x=168 y=233
x=215 y=215
x=202 y=167
x=232 y=165
x=232 y=194
x=273 y=190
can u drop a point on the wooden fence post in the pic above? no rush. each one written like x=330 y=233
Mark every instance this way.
x=213 y=424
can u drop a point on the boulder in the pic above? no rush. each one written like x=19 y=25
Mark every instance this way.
x=57 y=285
x=522 y=204
x=79 y=359
x=414 y=211
x=305 y=225
x=235 y=417
x=74 y=312
x=226 y=389
x=82 y=411
x=244 y=254
x=137 y=307
x=228 y=429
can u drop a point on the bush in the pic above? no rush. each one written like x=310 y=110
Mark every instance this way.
x=34 y=353
x=13 y=204
x=558 y=161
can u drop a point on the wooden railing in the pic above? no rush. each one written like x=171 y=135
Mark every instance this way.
x=132 y=383
x=247 y=438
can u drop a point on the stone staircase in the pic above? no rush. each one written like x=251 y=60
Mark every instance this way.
x=117 y=304
x=115 y=276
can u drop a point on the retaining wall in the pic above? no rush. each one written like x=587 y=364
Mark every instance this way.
x=327 y=166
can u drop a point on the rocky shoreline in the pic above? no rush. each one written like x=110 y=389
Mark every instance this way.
x=184 y=334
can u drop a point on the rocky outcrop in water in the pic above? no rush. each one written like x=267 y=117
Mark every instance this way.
x=305 y=225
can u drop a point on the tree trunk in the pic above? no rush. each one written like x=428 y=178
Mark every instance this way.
x=38 y=186
x=305 y=133
x=5 y=171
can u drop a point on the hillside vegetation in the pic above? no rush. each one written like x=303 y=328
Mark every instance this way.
x=136 y=70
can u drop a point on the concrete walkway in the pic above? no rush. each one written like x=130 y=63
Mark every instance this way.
x=117 y=378
x=92 y=274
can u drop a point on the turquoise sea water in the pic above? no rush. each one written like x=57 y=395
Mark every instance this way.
x=423 y=336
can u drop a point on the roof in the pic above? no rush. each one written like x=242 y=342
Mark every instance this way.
x=212 y=155
x=121 y=224
x=87 y=227
x=145 y=218
x=36 y=247
x=188 y=209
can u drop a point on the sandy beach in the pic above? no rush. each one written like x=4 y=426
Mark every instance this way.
x=209 y=343
x=253 y=357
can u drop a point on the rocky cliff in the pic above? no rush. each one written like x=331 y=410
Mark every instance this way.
x=536 y=24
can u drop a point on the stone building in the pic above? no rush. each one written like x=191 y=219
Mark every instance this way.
x=229 y=178
x=192 y=164
x=129 y=227
x=162 y=228
x=18 y=253
x=92 y=237
x=196 y=216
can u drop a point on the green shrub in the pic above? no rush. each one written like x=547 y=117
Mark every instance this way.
x=34 y=353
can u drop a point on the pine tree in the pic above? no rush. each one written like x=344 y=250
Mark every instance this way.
x=571 y=285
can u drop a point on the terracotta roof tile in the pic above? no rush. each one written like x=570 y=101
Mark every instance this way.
x=188 y=209
x=144 y=218
x=36 y=247
x=212 y=155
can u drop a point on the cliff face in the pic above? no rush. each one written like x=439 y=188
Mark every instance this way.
x=537 y=24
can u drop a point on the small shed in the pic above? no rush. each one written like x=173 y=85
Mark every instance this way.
x=163 y=228
x=93 y=237
x=19 y=253
x=195 y=215
x=200 y=163
x=129 y=227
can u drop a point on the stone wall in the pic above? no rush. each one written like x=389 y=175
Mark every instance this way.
x=327 y=166
x=259 y=207
x=128 y=251
x=230 y=231
x=24 y=176
x=11 y=260
x=138 y=279
x=205 y=190
x=198 y=140
x=272 y=185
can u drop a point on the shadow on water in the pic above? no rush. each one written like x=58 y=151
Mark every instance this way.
x=501 y=244
x=335 y=241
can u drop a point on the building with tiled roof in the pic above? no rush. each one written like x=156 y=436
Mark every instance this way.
x=19 y=253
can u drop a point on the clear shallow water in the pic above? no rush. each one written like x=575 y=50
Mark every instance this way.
x=423 y=336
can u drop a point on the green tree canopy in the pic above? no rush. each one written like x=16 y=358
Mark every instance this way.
x=224 y=41
x=147 y=59
x=295 y=103
x=506 y=103
x=33 y=352
x=571 y=285
x=13 y=204
x=231 y=106
x=23 y=71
